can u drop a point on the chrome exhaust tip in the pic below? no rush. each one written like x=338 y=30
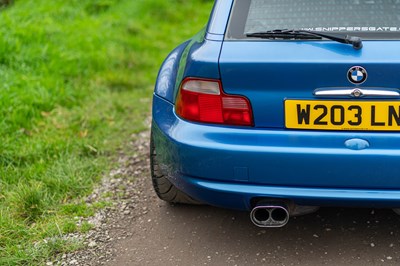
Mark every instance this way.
x=270 y=216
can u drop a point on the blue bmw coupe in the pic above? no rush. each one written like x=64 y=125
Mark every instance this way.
x=278 y=107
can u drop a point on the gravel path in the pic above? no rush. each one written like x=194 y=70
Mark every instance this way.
x=125 y=188
x=140 y=229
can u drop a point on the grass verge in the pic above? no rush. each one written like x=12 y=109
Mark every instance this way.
x=76 y=82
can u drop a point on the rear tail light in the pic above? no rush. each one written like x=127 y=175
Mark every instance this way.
x=203 y=100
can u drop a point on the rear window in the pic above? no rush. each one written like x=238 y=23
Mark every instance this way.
x=369 y=19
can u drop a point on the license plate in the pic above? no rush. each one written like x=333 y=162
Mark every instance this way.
x=342 y=115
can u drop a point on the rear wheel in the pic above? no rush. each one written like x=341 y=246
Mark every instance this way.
x=163 y=187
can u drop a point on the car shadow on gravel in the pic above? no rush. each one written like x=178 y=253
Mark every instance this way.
x=331 y=235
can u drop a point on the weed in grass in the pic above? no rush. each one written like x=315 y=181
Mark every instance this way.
x=28 y=201
x=101 y=204
x=85 y=227
x=79 y=209
x=69 y=227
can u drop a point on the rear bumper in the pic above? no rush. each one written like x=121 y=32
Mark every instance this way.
x=239 y=196
x=227 y=167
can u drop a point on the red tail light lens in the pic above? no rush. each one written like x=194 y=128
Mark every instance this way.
x=203 y=100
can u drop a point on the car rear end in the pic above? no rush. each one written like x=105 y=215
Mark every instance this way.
x=248 y=122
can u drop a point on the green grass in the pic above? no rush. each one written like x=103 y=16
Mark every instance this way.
x=76 y=82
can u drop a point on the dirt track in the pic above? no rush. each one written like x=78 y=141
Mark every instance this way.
x=202 y=235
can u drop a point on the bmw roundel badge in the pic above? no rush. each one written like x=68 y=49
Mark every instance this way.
x=357 y=75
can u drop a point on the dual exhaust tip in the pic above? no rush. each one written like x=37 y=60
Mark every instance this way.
x=270 y=215
x=274 y=214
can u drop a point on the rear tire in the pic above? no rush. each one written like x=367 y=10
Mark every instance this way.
x=164 y=189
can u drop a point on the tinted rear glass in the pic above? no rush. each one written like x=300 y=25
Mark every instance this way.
x=374 y=19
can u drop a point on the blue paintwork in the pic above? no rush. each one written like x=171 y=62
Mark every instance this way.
x=272 y=71
x=202 y=60
x=228 y=166
x=168 y=73
x=195 y=58
x=238 y=196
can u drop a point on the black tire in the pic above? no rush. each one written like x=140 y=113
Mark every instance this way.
x=163 y=187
